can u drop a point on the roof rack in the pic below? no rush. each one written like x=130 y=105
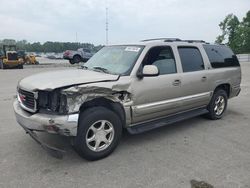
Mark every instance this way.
x=175 y=40
x=164 y=39
x=192 y=41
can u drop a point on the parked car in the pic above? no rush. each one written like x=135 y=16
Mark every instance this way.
x=81 y=55
x=137 y=87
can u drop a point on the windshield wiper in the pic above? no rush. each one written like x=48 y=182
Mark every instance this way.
x=102 y=69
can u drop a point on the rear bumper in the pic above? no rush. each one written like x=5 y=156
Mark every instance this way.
x=56 y=124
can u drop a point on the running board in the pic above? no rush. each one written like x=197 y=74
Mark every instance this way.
x=147 y=126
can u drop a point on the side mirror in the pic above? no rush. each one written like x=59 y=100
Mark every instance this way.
x=148 y=71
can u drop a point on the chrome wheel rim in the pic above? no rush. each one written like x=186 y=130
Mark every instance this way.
x=219 y=105
x=100 y=135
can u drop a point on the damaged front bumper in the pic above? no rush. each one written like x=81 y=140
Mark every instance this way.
x=55 y=152
x=65 y=125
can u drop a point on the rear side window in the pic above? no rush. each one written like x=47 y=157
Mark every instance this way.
x=191 y=59
x=221 y=56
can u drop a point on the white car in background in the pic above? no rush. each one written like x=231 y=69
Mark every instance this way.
x=81 y=55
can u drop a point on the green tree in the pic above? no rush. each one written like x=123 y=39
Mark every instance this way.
x=246 y=33
x=235 y=34
x=49 y=46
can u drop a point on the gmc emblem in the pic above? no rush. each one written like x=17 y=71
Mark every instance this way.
x=22 y=97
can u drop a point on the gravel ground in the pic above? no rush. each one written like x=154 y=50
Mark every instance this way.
x=217 y=152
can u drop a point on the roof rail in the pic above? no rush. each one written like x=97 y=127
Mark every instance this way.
x=192 y=41
x=175 y=40
x=164 y=39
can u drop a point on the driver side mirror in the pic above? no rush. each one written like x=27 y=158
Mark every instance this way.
x=148 y=71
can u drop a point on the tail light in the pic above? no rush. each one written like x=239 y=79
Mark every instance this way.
x=66 y=52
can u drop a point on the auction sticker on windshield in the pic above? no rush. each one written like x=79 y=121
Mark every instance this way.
x=132 y=49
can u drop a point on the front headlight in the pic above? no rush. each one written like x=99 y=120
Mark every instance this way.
x=63 y=107
x=53 y=101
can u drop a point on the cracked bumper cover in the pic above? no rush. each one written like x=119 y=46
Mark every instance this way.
x=56 y=124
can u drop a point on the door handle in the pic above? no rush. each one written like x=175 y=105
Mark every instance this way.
x=176 y=83
x=204 y=78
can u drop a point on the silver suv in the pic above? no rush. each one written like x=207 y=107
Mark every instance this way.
x=137 y=87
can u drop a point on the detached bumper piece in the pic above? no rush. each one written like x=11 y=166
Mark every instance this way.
x=54 y=152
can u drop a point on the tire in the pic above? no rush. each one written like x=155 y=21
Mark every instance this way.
x=20 y=66
x=1 y=65
x=217 y=105
x=90 y=127
x=71 y=62
x=77 y=59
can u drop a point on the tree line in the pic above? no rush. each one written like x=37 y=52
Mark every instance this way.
x=48 y=46
x=235 y=33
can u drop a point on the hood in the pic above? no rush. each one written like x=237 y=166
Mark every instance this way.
x=63 y=78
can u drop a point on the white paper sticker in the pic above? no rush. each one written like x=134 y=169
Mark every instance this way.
x=132 y=49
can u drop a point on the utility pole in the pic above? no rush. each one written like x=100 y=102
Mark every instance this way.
x=76 y=38
x=107 y=24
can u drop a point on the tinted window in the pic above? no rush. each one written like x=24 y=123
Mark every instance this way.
x=191 y=59
x=163 y=58
x=221 y=56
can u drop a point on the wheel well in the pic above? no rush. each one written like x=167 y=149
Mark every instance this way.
x=113 y=106
x=77 y=55
x=225 y=87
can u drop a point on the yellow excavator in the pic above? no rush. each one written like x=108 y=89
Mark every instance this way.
x=27 y=59
x=9 y=58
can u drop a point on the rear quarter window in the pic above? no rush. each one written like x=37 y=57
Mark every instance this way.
x=221 y=56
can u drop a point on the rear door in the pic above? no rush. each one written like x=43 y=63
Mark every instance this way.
x=194 y=78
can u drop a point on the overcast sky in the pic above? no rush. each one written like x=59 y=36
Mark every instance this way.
x=129 y=21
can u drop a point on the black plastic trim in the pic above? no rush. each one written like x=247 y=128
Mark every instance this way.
x=147 y=126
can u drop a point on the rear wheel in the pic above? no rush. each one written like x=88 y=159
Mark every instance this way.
x=99 y=132
x=217 y=105
x=76 y=59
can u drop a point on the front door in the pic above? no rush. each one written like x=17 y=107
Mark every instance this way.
x=156 y=96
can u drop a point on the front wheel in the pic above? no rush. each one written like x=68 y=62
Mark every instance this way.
x=99 y=132
x=2 y=66
x=71 y=62
x=20 y=66
x=217 y=105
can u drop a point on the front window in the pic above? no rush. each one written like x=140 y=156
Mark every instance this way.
x=115 y=59
x=163 y=58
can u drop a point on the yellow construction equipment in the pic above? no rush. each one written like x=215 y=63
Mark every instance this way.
x=27 y=59
x=9 y=58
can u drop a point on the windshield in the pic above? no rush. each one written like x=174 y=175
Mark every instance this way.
x=114 y=59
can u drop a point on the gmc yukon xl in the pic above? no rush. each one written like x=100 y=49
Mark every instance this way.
x=137 y=87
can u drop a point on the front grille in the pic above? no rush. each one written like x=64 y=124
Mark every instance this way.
x=12 y=56
x=27 y=99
